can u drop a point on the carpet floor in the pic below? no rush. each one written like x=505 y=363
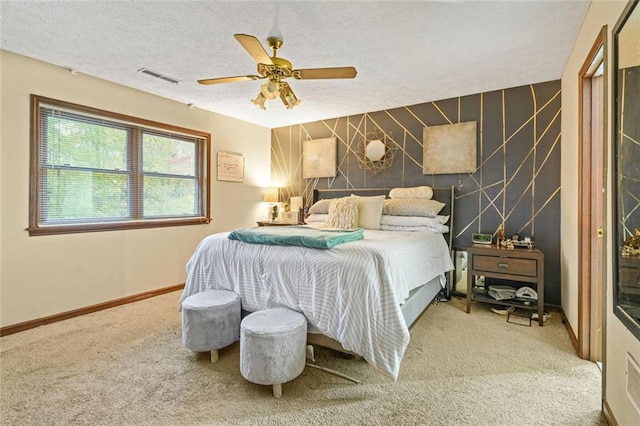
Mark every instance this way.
x=127 y=366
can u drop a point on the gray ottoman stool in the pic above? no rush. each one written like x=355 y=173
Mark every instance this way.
x=273 y=347
x=210 y=321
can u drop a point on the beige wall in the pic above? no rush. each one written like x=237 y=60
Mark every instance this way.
x=619 y=341
x=629 y=55
x=46 y=275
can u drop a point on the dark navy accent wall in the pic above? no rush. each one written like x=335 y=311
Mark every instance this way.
x=517 y=180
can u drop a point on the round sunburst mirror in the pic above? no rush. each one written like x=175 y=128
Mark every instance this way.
x=376 y=150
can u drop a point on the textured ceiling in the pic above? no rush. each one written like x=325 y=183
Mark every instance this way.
x=406 y=52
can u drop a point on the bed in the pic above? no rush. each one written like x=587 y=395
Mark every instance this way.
x=360 y=297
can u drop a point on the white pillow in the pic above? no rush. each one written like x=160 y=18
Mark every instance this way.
x=406 y=207
x=343 y=213
x=413 y=220
x=436 y=229
x=321 y=206
x=370 y=211
x=442 y=219
x=317 y=217
x=422 y=192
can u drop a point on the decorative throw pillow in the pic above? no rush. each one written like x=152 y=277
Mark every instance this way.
x=317 y=218
x=343 y=213
x=320 y=206
x=405 y=207
x=422 y=192
x=437 y=229
x=369 y=211
x=442 y=219
x=436 y=222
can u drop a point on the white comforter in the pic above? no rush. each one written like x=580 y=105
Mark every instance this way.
x=351 y=293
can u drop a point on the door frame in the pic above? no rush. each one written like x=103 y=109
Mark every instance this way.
x=586 y=249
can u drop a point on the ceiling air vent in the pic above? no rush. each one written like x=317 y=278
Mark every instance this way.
x=156 y=74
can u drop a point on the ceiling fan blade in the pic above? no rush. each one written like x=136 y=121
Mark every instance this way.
x=253 y=46
x=321 y=73
x=229 y=79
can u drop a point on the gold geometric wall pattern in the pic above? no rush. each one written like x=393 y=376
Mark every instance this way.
x=516 y=180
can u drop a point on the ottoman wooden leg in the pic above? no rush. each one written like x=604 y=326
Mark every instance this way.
x=310 y=353
x=214 y=355
x=277 y=390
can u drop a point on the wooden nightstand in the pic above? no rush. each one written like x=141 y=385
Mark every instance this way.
x=519 y=264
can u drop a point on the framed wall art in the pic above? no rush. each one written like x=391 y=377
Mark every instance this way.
x=230 y=167
x=450 y=148
x=319 y=158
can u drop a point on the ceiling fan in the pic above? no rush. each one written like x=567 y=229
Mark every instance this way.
x=275 y=70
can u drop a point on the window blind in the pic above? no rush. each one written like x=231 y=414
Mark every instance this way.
x=96 y=170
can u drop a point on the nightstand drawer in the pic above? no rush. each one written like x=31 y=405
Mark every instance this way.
x=505 y=265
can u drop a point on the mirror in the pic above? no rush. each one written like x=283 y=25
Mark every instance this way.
x=626 y=162
x=375 y=150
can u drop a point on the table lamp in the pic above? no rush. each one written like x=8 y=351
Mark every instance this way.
x=271 y=196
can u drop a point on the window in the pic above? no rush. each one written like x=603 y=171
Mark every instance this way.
x=94 y=170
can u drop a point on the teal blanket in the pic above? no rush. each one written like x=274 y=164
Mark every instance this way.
x=296 y=236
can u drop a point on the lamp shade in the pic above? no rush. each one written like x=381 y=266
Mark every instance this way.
x=270 y=89
x=296 y=203
x=271 y=195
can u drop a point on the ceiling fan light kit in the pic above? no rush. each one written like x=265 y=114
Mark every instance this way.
x=270 y=89
x=260 y=101
x=276 y=69
x=287 y=96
